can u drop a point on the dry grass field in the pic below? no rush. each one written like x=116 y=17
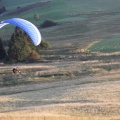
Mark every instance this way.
x=59 y=90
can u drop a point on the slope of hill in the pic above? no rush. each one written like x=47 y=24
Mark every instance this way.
x=72 y=83
x=79 y=21
x=61 y=10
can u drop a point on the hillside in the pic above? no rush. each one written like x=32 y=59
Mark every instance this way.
x=62 y=10
x=79 y=76
x=94 y=17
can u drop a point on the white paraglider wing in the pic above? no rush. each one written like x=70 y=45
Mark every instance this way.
x=27 y=26
x=3 y=24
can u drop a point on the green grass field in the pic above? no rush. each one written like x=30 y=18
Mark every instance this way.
x=107 y=45
x=61 y=10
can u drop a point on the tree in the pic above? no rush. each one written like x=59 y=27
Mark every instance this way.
x=2 y=50
x=21 y=47
x=36 y=16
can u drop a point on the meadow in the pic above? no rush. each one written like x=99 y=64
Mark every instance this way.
x=72 y=90
x=107 y=45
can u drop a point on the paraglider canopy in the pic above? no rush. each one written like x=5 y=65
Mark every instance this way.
x=25 y=25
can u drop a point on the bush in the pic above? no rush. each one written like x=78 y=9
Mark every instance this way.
x=33 y=56
x=36 y=16
x=44 y=44
x=48 y=23
x=2 y=9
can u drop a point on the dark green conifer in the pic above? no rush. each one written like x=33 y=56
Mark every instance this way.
x=20 y=47
x=2 y=50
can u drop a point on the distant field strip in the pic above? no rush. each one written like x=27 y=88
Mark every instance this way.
x=107 y=45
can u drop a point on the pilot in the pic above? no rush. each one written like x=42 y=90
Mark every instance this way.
x=15 y=70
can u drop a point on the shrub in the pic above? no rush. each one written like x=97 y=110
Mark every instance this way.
x=48 y=23
x=44 y=44
x=36 y=16
x=33 y=56
x=2 y=9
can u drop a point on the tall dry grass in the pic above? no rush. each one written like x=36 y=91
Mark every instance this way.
x=55 y=117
